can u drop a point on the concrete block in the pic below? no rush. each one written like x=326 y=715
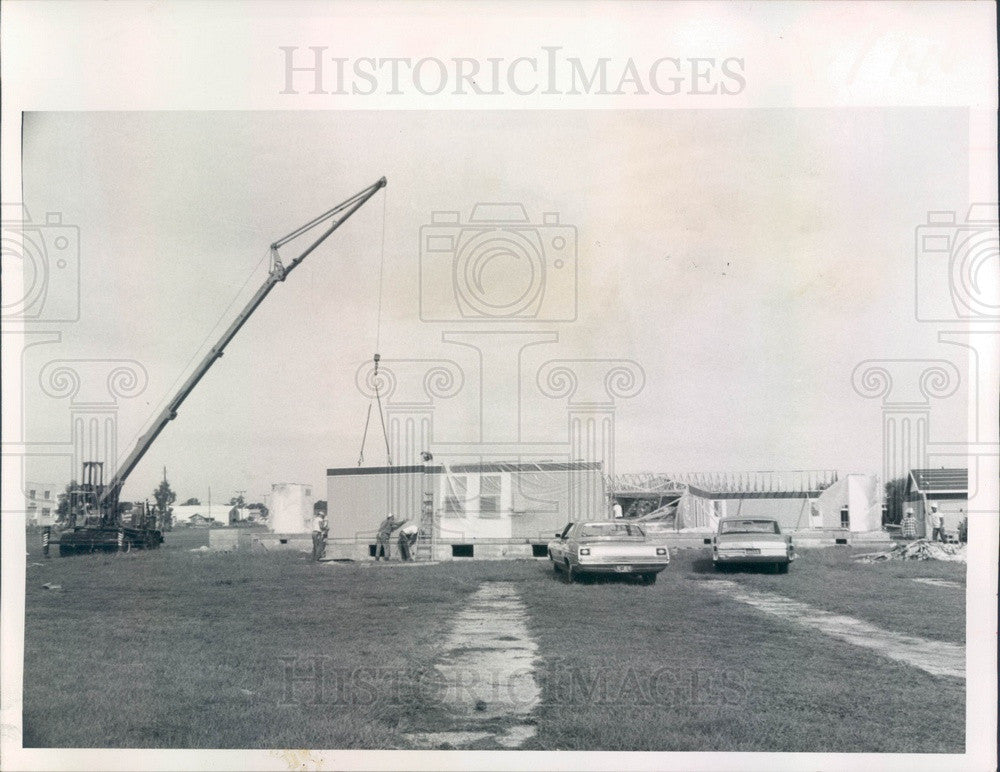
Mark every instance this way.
x=276 y=542
x=346 y=550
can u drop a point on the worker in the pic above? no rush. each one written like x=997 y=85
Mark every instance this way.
x=319 y=532
x=909 y=525
x=385 y=530
x=937 y=523
x=616 y=510
x=407 y=538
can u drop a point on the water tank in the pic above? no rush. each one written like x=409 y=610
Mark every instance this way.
x=290 y=508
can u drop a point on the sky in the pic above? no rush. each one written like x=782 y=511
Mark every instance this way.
x=746 y=260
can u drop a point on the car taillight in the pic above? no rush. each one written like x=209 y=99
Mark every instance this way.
x=584 y=550
x=661 y=550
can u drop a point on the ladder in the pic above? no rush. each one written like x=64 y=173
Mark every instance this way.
x=425 y=537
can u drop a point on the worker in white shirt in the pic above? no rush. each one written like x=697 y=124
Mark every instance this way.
x=407 y=538
x=937 y=523
x=319 y=531
x=616 y=510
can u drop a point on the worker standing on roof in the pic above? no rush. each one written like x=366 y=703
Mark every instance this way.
x=385 y=530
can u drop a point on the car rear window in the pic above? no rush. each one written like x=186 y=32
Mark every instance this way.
x=748 y=526
x=592 y=530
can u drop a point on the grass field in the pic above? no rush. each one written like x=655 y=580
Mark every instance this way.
x=174 y=648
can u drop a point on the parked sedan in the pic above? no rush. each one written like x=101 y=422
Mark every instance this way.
x=607 y=546
x=752 y=540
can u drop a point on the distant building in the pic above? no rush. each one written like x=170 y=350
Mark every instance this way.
x=41 y=501
x=184 y=513
x=948 y=488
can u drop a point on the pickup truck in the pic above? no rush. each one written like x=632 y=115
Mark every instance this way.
x=607 y=546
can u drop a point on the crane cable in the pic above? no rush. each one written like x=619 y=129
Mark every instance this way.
x=377 y=357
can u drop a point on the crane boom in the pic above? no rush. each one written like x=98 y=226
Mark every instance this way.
x=278 y=273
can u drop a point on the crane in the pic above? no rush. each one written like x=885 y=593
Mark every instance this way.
x=104 y=530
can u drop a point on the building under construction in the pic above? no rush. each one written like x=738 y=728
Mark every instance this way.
x=818 y=503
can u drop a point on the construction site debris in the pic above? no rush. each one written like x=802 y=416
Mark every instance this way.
x=50 y=586
x=921 y=549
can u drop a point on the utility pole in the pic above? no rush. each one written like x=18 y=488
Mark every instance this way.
x=163 y=513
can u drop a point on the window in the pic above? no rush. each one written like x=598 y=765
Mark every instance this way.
x=749 y=526
x=489 y=495
x=309 y=492
x=454 y=497
x=46 y=495
x=612 y=530
x=845 y=518
x=31 y=493
x=46 y=512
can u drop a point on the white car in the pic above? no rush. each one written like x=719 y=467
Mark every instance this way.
x=752 y=540
x=605 y=547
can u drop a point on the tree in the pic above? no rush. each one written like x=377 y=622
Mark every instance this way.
x=191 y=503
x=65 y=502
x=164 y=497
x=237 y=501
x=895 y=490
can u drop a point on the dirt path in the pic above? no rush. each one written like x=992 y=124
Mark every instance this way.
x=935 y=657
x=487 y=673
x=946 y=583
